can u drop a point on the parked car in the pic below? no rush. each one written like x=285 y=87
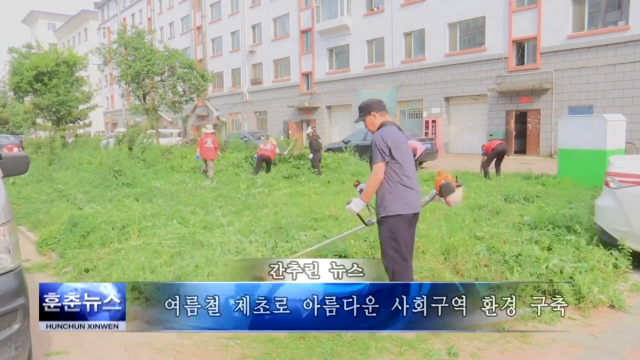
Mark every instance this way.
x=617 y=210
x=15 y=333
x=108 y=141
x=6 y=139
x=168 y=137
x=249 y=137
x=360 y=142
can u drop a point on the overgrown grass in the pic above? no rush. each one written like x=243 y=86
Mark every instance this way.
x=121 y=215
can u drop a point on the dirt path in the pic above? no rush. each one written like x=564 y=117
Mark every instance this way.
x=452 y=162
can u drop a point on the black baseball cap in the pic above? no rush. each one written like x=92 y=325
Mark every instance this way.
x=368 y=106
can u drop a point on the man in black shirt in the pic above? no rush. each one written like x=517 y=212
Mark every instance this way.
x=315 y=147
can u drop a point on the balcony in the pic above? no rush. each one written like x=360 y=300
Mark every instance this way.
x=333 y=18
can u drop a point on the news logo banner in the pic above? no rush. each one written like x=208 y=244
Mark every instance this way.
x=335 y=307
x=82 y=307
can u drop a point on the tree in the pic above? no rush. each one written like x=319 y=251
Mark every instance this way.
x=15 y=118
x=157 y=78
x=49 y=83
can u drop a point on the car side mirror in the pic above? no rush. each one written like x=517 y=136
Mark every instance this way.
x=346 y=141
x=14 y=164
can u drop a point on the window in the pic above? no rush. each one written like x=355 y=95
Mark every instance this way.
x=172 y=30
x=339 y=58
x=102 y=14
x=86 y=34
x=160 y=7
x=468 y=34
x=235 y=6
x=106 y=102
x=73 y=41
x=216 y=46
x=256 y=73
x=256 y=2
x=307 y=42
x=375 y=51
x=79 y=39
x=332 y=9
x=525 y=3
x=104 y=33
x=580 y=110
x=187 y=52
x=306 y=3
x=140 y=16
x=236 y=78
x=216 y=10
x=256 y=33
x=261 y=120
x=307 y=80
x=133 y=19
x=161 y=33
x=282 y=68
x=235 y=40
x=356 y=136
x=218 y=81
x=589 y=15
x=373 y=5
x=170 y=3
x=235 y=125
x=186 y=23
x=410 y=115
x=51 y=26
x=414 y=44
x=525 y=52
x=281 y=26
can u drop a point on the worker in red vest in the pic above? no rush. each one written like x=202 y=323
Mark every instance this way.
x=493 y=150
x=266 y=155
x=208 y=150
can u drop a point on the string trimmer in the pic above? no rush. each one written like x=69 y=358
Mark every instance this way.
x=446 y=188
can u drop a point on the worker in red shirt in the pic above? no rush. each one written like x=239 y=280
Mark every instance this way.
x=266 y=155
x=208 y=150
x=493 y=150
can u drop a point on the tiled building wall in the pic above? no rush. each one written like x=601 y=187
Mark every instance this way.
x=606 y=77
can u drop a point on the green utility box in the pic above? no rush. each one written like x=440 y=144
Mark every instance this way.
x=585 y=143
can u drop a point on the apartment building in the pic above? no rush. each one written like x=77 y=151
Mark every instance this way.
x=78 y=32
x=481 y=68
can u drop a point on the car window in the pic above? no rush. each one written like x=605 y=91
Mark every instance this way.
x=260 y=136
x=356 y=136
x=367 y=136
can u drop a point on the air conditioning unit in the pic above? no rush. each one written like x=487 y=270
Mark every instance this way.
x=256 y=81
x=252 y=49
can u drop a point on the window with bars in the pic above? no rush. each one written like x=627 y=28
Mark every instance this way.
x=525 y=52
x=410 y=115
x=261 y=121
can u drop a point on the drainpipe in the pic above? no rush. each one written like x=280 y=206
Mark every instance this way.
x=243 y=50
x=123 y=122
x=393 y=51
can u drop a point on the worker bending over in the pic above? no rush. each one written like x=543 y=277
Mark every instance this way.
x=493 y=150
x=266 y=155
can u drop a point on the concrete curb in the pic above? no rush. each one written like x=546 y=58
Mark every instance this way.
x=33 y=239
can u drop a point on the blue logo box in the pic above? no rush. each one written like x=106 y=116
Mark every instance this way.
x=82 y=302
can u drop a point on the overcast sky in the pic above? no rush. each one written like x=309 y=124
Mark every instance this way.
x=16 y=34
